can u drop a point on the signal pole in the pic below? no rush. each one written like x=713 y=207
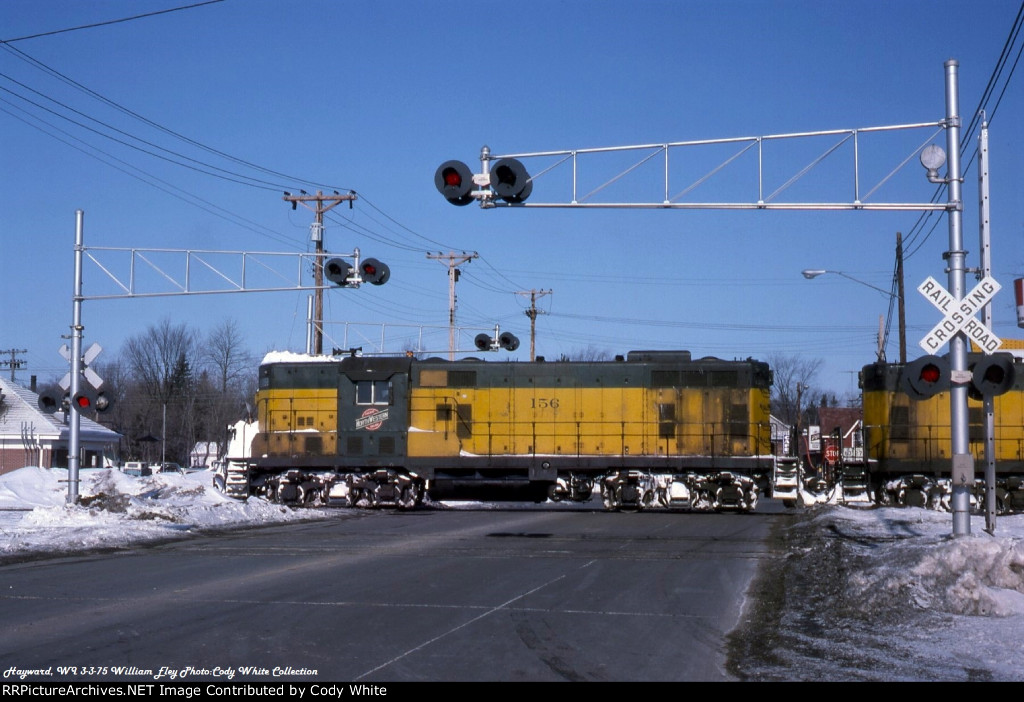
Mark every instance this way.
x=900 y=298
x=323 y=203
x=532 y=314
x=453 y=277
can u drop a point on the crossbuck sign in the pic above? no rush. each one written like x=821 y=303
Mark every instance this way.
x=959 y=315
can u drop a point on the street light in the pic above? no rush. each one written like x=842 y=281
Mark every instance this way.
x=811 y=273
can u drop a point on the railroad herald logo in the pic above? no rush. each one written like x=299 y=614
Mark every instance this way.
x=372 y=419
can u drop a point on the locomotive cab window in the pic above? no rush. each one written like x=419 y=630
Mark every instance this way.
x=373 y=392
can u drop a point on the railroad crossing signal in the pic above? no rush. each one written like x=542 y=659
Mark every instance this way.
x=506 y=180
x=992 y=375
x=90 y=395
x=454 y=180
x=987 y=376
x=925 y=377
x=959 y=315
x=374 y=272
x=341 y=273
x=505 y=340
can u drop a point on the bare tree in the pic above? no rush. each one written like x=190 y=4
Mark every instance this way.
x=154 y=356
x=590 y=353
x=232 y=372
x=223 y=354
x=794 y=377
x=161 y=402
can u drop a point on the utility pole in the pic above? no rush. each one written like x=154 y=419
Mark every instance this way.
x=532 y=314
x=900 y=298
x=14 y=363
x=318 y=204
x=452 y=260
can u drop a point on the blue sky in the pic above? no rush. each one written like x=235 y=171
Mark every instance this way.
x=373 y=96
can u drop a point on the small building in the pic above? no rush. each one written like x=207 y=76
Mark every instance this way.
x=30 y=437
x=204 y=453
x=848 y=423
x=780 y=436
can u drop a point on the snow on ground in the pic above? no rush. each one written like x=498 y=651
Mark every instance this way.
x=117 y=510
x=855 y=594
x=886 y=594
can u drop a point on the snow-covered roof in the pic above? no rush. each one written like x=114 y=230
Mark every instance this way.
x=19 y=410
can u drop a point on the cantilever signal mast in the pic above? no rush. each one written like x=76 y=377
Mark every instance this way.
x=532 y=314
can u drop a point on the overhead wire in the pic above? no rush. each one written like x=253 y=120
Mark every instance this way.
x=109 y=22
x=967 y=138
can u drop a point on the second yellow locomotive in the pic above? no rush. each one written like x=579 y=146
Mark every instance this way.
x=908 y=442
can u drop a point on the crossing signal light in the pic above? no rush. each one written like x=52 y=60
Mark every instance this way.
x=510 y=180
x=50 y=401
x=507 y=341
x=454 y=180
x=103 y=402
x=483 y=342
x=85 y=398
x=992 y=375
x=925 y=377
x=337 y=270
x=373 y=271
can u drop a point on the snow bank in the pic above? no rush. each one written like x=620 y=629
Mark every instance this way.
x=921 y=565
x=118 y=510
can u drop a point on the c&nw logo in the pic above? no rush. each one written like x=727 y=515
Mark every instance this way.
x=372 y=419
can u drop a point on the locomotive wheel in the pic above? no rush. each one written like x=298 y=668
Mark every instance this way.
x=408 y=498
x=882 y=498
x=752 y=501
x=647 y=500
x=305 y=494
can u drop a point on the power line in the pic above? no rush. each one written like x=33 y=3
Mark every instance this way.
x=109 y=22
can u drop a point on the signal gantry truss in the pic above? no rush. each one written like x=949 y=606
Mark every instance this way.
x=760 y=172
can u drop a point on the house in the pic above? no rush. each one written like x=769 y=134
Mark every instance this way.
x=30 y=437
x=848 y=422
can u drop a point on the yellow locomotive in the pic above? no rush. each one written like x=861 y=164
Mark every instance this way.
x=908 y=442
x=654 y=427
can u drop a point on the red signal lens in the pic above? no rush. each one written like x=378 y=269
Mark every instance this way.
x=83 y=402
x=370 y=269
x=930 y=374
x=452 y=178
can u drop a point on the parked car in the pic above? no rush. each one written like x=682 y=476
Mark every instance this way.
x=136 y=468
x=171 y=468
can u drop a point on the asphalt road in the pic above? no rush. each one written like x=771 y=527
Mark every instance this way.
x=449 y=595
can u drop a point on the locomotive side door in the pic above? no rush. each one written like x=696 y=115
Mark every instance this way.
x=373 y=410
